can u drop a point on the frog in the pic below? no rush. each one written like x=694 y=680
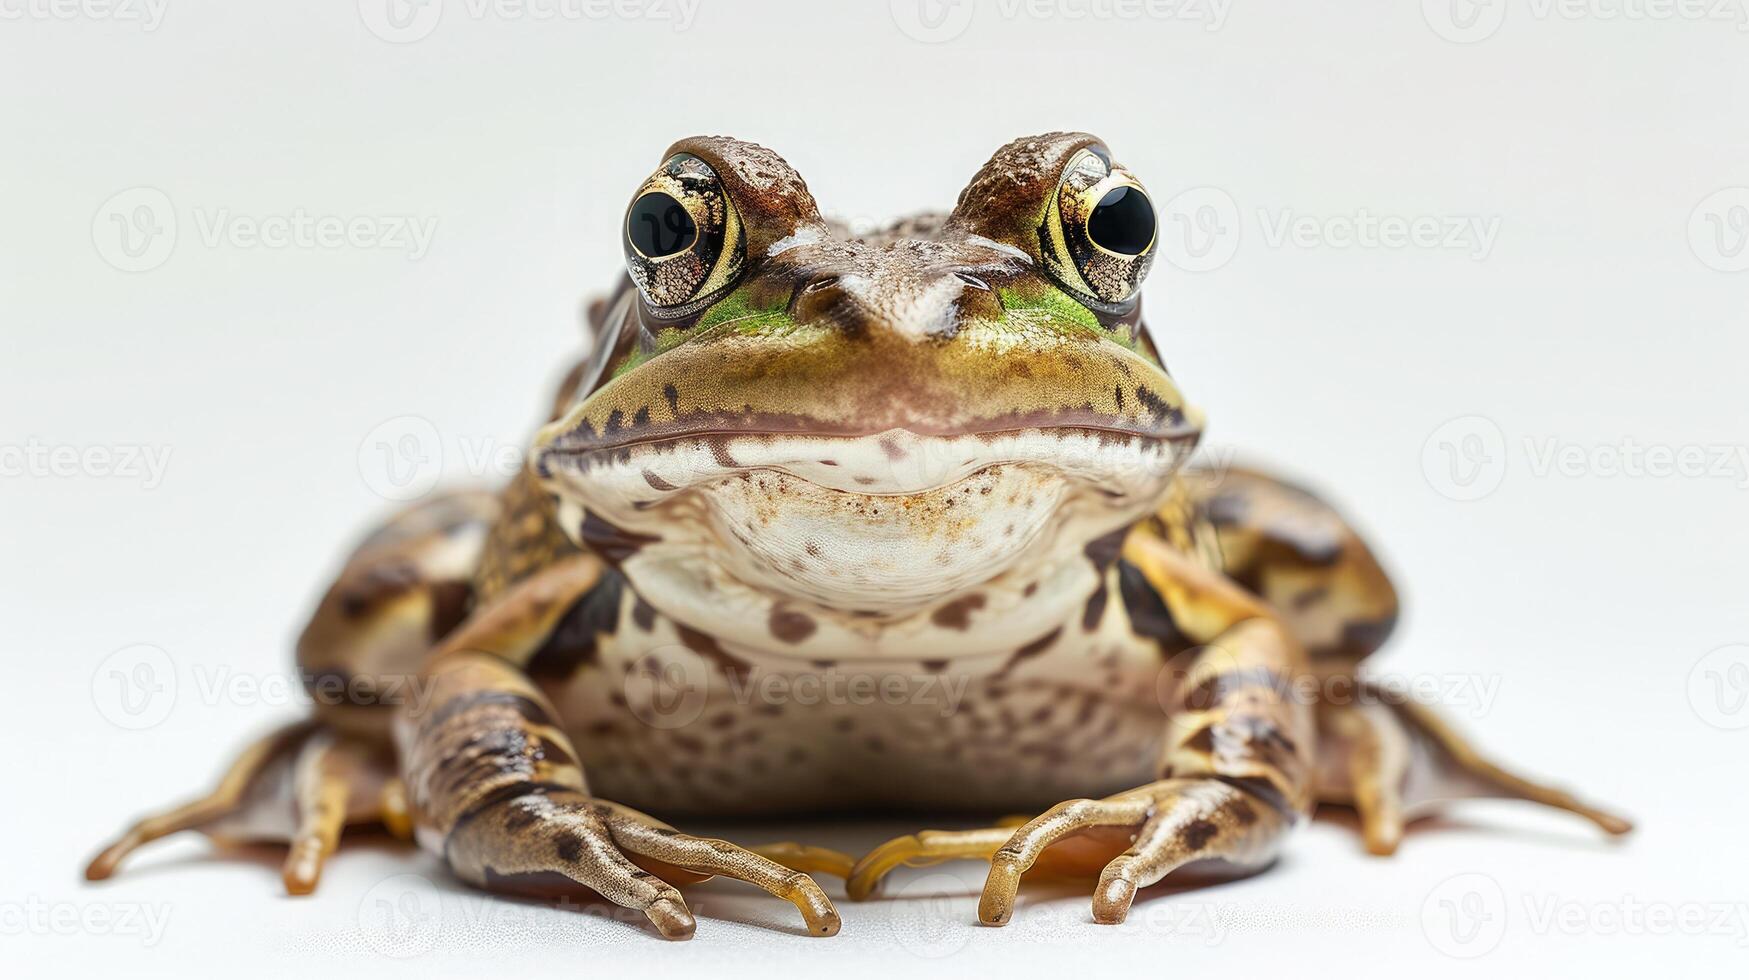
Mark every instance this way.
x=943 y=460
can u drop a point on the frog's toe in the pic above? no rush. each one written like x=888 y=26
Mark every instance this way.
x=301 y=786
x=1393 y=759
x=644 y=837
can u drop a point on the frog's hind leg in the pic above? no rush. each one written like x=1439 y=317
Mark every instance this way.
x=1393 y=759
x=1388 y=757
x=299 y=786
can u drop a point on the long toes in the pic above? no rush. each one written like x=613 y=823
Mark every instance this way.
x=1015 y=858
x=649 y=838
x=919 y=849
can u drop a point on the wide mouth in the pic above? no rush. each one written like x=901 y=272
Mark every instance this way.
x=643 y=468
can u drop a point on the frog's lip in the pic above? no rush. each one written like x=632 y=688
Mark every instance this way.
x=884 y=462
x=579 y=444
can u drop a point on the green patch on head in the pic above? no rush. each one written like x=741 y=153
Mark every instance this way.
x=734 y=314
x=1037 y=306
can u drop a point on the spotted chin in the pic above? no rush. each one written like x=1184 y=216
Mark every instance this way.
x=880 y=523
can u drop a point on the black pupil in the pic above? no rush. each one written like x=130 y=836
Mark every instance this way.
x=659 y=225
x=1122 y=221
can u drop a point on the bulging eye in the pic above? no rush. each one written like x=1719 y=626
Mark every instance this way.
x=1099 y=231
x=683 y=237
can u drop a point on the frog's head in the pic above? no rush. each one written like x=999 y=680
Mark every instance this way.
x=875 y=424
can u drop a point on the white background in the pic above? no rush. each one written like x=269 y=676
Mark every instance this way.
x=1603 y=315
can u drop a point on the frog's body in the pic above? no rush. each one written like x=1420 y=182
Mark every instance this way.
x=836 y=523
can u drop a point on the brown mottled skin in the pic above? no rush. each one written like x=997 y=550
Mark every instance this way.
x=945 y=458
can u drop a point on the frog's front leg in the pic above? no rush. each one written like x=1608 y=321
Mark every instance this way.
x=1235 y=776
x=498 y=792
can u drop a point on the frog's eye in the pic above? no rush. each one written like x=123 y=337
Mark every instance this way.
x=683 y=237
x=1099 y=230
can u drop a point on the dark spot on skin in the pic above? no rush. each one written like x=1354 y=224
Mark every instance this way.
x=843 y=724
x=451 y=601
x=1117 y=391
x=934 y=666
x=1198 y=833
x=657 y=482
x=1032 y=649
x=672 y=394
x=1104 y=550
x=789 y=625
x=1149 y=616
x=569 y=849
x=720 y=453
x=1095 y=610
x=572 y=641
x=957 y=615
x=828 y=462
x=644 y=615
x=1310 y=597
x=1203 y=741
x=1263 y=790
x=610 y=542
x=641 y=417
x=1031 y=587
x=708 y=648
x=1243 y=813
x=812 y=549
x=892 y=449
